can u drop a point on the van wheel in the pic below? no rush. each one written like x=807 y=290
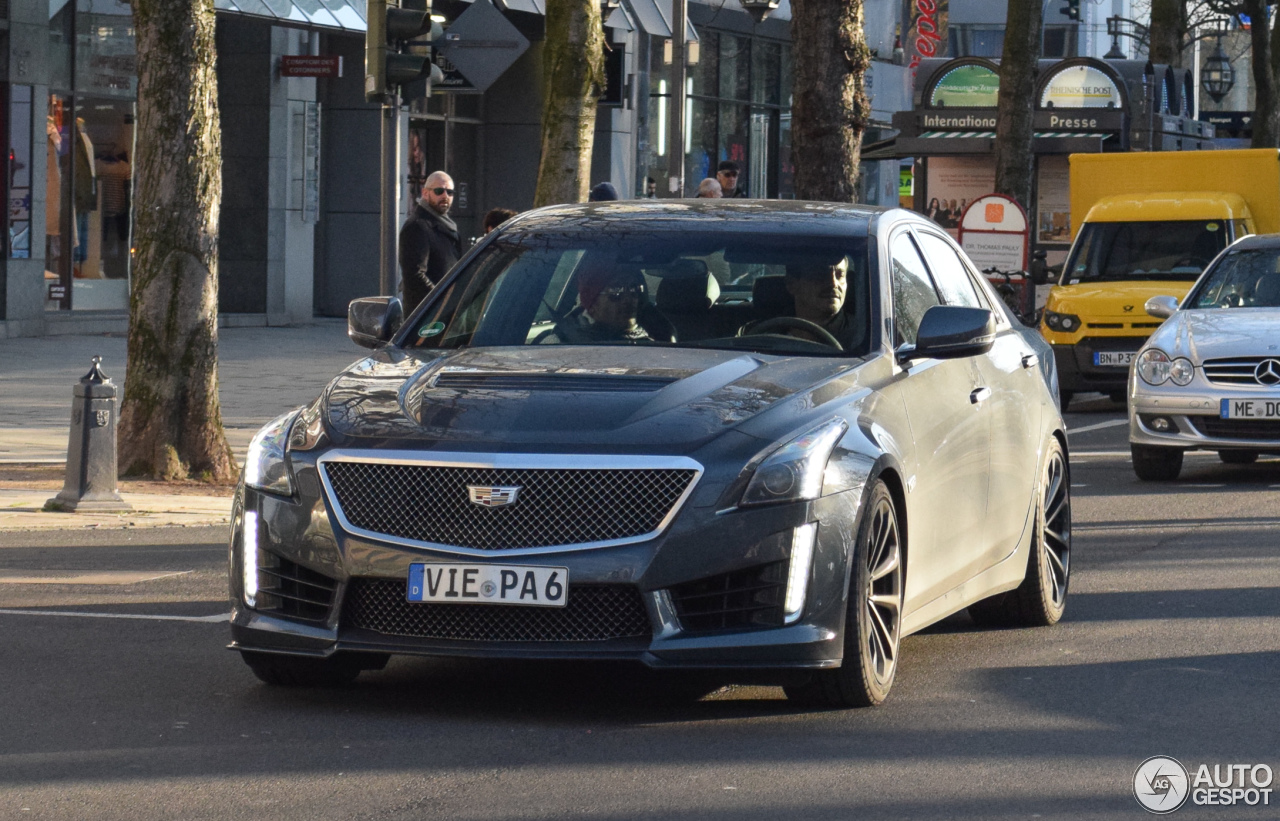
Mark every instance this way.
x=1156 y=464
x=1238 y=457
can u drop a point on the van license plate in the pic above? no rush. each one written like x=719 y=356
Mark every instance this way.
x=1112 y=359
x=489 y=584
x=1250 y=409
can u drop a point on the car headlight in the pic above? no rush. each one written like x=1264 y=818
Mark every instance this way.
x=265 y=466
x=1181 y=372
x=794 y=471
x=1067 y=323
x=1153 y=366
x=308 y=431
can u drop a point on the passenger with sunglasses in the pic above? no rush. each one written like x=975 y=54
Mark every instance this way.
x=612 y=307
x=429 y=241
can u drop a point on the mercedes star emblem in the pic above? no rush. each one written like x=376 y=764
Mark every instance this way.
x=1267 y=372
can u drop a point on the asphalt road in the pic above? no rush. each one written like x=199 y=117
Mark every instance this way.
x=119 y=701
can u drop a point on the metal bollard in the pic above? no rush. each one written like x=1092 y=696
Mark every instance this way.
x=91 y=450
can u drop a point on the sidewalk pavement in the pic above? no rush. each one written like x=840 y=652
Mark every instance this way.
x=262 y=372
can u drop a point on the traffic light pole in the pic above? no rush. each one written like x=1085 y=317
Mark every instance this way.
x=390 y=194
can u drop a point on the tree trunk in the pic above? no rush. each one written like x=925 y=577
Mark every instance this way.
x=830 y=109
x=170 y=421
x=1016 y=106
x=1168 y=26
x=1265 y=51
x=573 y=71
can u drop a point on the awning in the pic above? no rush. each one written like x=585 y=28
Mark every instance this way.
x=654 y=17
x=341 y=15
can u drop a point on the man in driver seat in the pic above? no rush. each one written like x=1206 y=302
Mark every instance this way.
x=819 y=291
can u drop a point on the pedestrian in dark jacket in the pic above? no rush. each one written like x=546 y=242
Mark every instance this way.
x=429 y=241
x=727 y=176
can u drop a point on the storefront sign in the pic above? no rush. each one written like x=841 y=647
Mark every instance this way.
x=993 y=232
x=1081 y=86
x=308 y=66
x=970 y=86
x=927 y=34
x=481 y=44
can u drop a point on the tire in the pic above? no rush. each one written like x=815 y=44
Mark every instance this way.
x=310 y=671
x=1041 y=599
x=1156 y=464
x=1238 y=457
x=873 y=616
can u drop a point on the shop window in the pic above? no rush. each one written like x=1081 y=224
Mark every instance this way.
x=765 y=70
x=706 y=74
x=19 y=159
x=700 y=149
x=735 y=67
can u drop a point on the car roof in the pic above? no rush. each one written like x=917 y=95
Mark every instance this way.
x=1257 y=241
x=754 y=216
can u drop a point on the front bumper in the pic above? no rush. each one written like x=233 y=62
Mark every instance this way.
x=1193 y=415
x=301 y=536
x=1078 y=373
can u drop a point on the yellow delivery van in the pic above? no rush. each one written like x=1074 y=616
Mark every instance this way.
x=1146 y=224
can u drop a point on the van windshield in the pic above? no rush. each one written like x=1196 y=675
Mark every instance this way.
x=1112 y=251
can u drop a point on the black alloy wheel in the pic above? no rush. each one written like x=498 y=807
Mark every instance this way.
x=1041 y=599
x=873 y=619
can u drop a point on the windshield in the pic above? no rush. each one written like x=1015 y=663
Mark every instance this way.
x=1245 y=279
x=730 y=289
x=1111 y=251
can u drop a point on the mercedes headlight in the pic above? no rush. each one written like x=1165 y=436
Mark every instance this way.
x=265 y=466
x=794 y=471
x=1065 y=323
x=1153 y=366
x=1181 y=372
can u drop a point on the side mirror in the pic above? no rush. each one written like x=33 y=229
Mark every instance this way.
x=372 y=321
x=952 y=332
x=1161 y=307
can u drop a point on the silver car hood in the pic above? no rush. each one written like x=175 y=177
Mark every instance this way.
x=1219 y=333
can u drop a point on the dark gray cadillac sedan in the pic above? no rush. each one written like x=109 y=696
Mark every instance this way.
x=763 y=438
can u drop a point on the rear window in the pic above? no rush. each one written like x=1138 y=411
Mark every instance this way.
x=1111 y=251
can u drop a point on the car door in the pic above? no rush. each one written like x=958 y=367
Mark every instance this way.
x=947 y=484
x=1008 y=374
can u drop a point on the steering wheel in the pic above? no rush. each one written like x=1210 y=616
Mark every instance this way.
x=796 y=323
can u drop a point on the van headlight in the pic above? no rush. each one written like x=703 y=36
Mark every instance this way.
x=794 y=471
x=265 y=466
x=1065 y=323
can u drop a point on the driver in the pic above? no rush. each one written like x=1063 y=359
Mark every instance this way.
x=819 y=291
x=609 y=299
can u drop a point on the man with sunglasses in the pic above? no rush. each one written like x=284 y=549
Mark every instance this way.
x=727 y=176
x=429 y=241
x=612 y=307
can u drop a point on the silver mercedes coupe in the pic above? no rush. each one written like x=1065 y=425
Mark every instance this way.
x=1209 y=377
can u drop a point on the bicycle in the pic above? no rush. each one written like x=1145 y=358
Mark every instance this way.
x=1013 y=293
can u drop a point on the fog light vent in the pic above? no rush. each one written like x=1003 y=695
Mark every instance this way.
x=1159 y=424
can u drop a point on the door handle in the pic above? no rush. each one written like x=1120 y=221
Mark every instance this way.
x=979 y=395
x=1030 y=360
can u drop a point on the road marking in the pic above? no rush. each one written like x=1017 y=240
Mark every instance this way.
x=1114 y=423
x=220 y=617
x=86 y=576
x=1126 y=454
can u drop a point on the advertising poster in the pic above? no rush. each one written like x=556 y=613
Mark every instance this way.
x=970 y=86
x=951 y=183
x=927 y=32
x=1053 y=200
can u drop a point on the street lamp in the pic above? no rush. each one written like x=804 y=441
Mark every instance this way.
x=759 y=9
x=1217 y=77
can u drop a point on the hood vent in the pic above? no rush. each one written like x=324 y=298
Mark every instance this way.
x=575 y=382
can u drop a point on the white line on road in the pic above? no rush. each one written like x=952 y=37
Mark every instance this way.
x=1114 y=423
x=220 y=617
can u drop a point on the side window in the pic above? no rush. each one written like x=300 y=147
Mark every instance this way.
x=949 y=272
x=913 y=291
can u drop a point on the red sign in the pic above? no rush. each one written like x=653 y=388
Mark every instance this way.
x=308 y=66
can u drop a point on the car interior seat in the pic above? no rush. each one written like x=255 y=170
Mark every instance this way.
x=685 y=296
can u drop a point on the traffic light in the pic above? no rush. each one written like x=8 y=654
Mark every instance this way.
x=387 y=62
x=1072 y=10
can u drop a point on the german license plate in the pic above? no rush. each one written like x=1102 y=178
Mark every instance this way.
x=1250 y=409
x=1112 y=359
x=488 y=584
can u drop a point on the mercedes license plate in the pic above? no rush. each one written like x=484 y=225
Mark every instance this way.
x=488 y=584
x=1250 y=409
x=1112 y=359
